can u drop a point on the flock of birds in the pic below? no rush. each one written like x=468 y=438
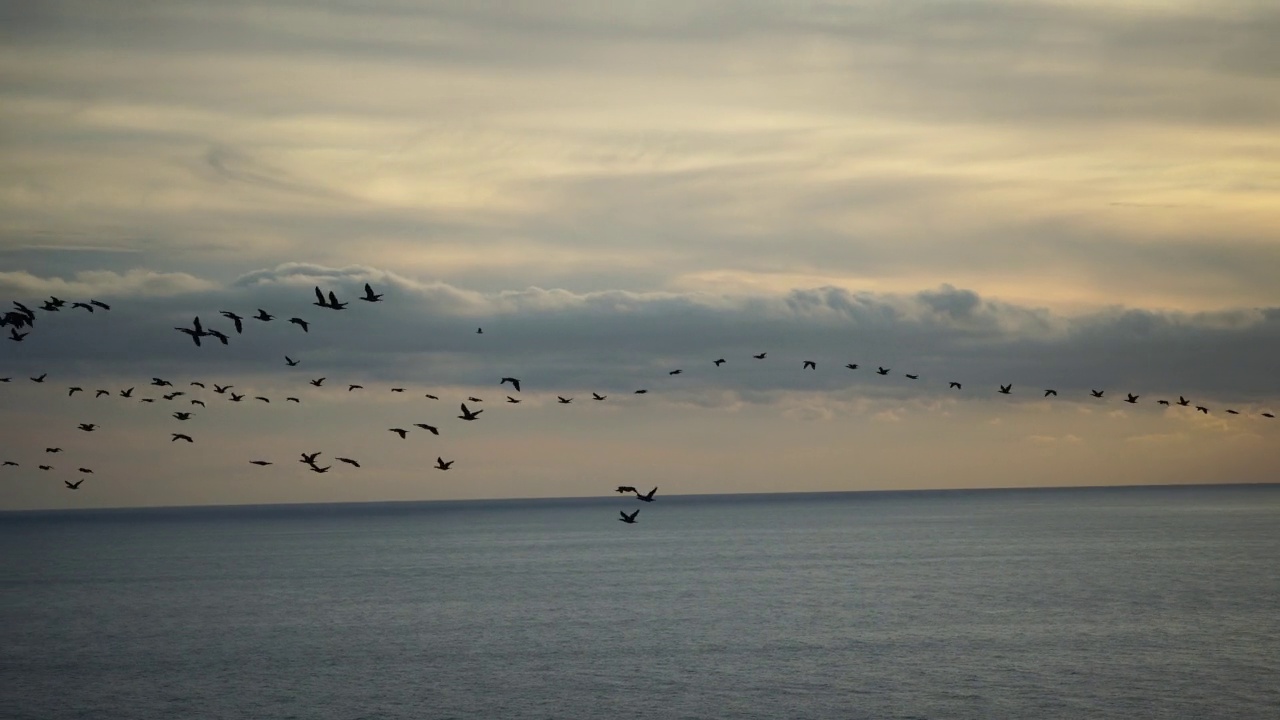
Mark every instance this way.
x=22 y=320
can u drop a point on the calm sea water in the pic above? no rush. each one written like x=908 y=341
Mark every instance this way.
x=1119 y=603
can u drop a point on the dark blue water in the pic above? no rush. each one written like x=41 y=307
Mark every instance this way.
x=1121 y=603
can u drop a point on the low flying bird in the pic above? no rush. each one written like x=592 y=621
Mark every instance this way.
x=290 y=361
x=49 y=307
x=1163 y=402
x=675 y=372
x=88 y=427
x=1183 y=401
x=182 y=415
x=512 y=400
x=852 y=366
x=222 y=337
x=239 y=321
x=236 y=398
x=469 y=415
x=399 y=431
x=627 y=489
x=909 y=376
x=86 y=306
x=160 y=382
x=309 y=458
x=647 y=497
x=86 y=471
x=630 y=519
x=56 y=302
x=318 y=469
x=479 y=331
x=9 y=463
x=46 y=467
x=102 y=305
x=221 y=389
x=1203 y=409
x=474 y=399
x=293 y=399
x=564 y=400
x=1097 y=393
x=809 y=365
x=598 y=396
x=429 y=428
x=264 y=316
x=318 y=382
x=53 y=450
x=180 y=436
x=259 y=462
x=1050 y=391
x=641 y=391
x=718 y=363
x=442 y=464
x=40 y=378
x=195 y=332
x=198 y=402
x=1232 y=412
x=172 y=395
x=882 y=371
x=300 y=323
x=760 y=356
x=430 y=396
x=1006 y=388
x=955 y=385
x=348 y=461
x=73 y=390
x=1267 y=415
x=400 y=390
x=1132 y=399
x=354 y=387
x=259 y=397
x=196 y=383
x=515 y=382
x=73 y=485
x=149 y=400
x=369 y=296
x=17 y=336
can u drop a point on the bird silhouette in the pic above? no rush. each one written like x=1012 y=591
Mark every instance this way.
x=598 y=396
x=882 y=371
x=1049 y=392
x=1097 y=393
x=259 y=462
x=182 y=415
x=354 y=387
x=369 y=295
x=238 y=320
x=259 y=397
x=318 y=382
x=348 y=461
x=1163 y=402
x=400 y=431
x=647 y=497
x=515 y=382
x=86 y=471
x=512 y=400
x=431 y=397
x=318 y=469
x=236 y=398
x=955 y=385
x=221 y=389
x=469 y=415
x=399 y=390
x=180 y=436
x=809 y=365
x=222 y=337
x=293 y=400
x=17 y=336
x=46 y=467
x=1132 y=399
x=102 y=305
x=429 y=428
x=1183 y=401
x=627 y=489
x=73 y=390
x=9 y=463
x=86 y=306
x=641 y=391
x=1006 y=388
x=474 y=399
x=1203 y=409
x=718 y=363
x=1267 y=415
x=442 y=464
x=73 y=485
x=40 y=378
x=290 y=361
x=100 y=393
x=760 y=356
x=53 y=449
x=264 y=316
x=161 y=382
x=564 y=400
x=675 y=372
x=300 y=323
x=909 y=376
x=629 y=519
x=88 y=427
x=309 y=458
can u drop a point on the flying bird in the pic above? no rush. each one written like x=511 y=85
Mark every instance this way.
x=369 y=295
x=760 y=356
x=221 y=389
x=430 y=396
x=882 y=371
x=627 y=489
x=300 y=323
x=196 y=383
x=1163 y=402
x=469 y=415
x=399 y=390
x=318 y=469
x=442 y=464
x=182 y=415
x=598 y=396
x=40 y=378
x=309 y=458
x=1203 y=409
x=564 y=400
x=675 y=372
x=348 y=461
x=1006 y=388
x=222 y=337
x=290 y=361
x=180 y=436
x=293 y=399
x=88 y=427
x=399 y=431
x=1183 y=401
x=647 y=497
x=474 y=399
x=909 y=376
x=1132 y=399
x=53 y=450
x=1050 y=391
x=512 y=400
x=641 y=391
x=86 y=471
x=318 y=382
x=86 y=306
x=264 y=316
x=809 y=365
x=17 y=336
x=630 y=519
x=718 y=363
x=73 y=485
x=102 y=305
x=73 y=390
x=955 y=385
x=429 y=428
x=239 y=321
x=236 y=398
x=1097 y=393
x=354 y=387
x=259 y=462
x=100 y=393
x=515 y=382
x=161 y=382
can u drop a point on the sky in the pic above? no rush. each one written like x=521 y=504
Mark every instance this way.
x=1059 y=194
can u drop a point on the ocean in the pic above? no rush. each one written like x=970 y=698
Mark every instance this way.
x=1159 y=602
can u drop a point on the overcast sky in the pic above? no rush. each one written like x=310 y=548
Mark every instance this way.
x=1048 y=194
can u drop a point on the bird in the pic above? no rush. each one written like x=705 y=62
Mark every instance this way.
x=1006 y=388
x=564 y=400
x=1050 y=391
x=259 y=397
x=195 y=332
x=1163 y=402
x=17 y=336
x=290 y=361
x=46 y=467
x=629 y=519
x=955 y=385
x=161 y=382
x=221 y=389
x=1267 y=415
x=236 y=398
x=1203 y=409
x=182 y=415
x=442 y=464
x=102 y=305
x=333 y=302
x=196 y=383
x=760 y=356
x=647 y=497
x=239 y=321
x=469 y=415
x=53 y=450
x=73 y=390
x=641 y=391
x=882 y=371
x=100 y=393
x=512 y=400
x=264 y=316
x=479 y=331
x=430 y=396
x=172 y=395
x=598 y=396
x=318 y=382
x=180 y=436
x=809 y=365
x=1097 y=393
x=718 y=363
x=399 y=390
x=198 y=402
x=40 y=378
x=1183 y=401
x=852 y=366
x=354 y=387
x=293 y=399
x=1232 y=412
x=10 y=463
x=88 y=427
x=474 y=399
x=300 y=323
x=87 y=471
x=348 y=461
x=86 y=306
x=1132 y=399
x=259 y=462
x=515 y=382
x=369 y=295
x=318 y=469
x=429 y=428
x=675 y=372
x=626 y=489
x=222 y=337
x=309 y=458
x=399 y=431
x=73 y=485
x=909 y=376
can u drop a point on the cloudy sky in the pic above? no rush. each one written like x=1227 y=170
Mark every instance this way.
x=1055 y=194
